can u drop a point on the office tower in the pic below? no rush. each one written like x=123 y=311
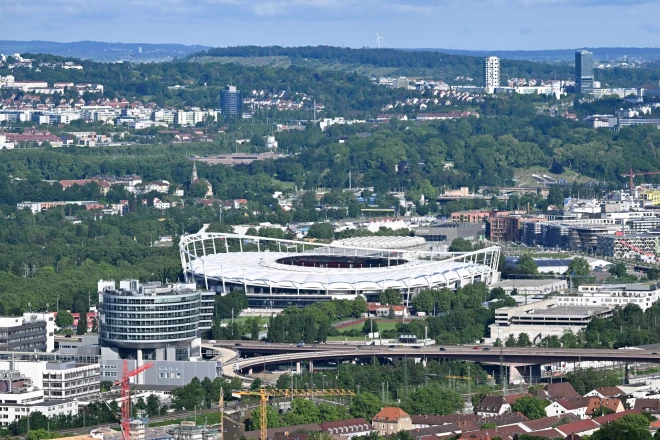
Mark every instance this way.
x=584 y=72
x=231 y=102
x=491 y=74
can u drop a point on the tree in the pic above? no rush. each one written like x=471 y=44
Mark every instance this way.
x=527 y=265
x=369 y=326
x=272 y=416
x=587 y=379
x=390 y=296
x=365 y=405
x=556 y=197
x=523 y=340
x=391 y=314
x=511 y=341
x=580 y=268
x=618 y=270
x=153 y=405
x=64 y=319
x=532 y=407
x=433 y=399
x=629 y=427
x=95 y=325
x=602 y=411
x=460 y=245
x=256 y=384
x=254 y=329
x=321 y=231
x=81 y=328
x=653 y=274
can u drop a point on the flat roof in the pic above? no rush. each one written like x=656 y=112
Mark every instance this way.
x=528 y=283
x=569 y=311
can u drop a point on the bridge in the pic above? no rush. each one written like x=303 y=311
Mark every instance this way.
x=290 y=354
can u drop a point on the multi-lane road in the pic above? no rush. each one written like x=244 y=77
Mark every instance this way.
x=272 y=354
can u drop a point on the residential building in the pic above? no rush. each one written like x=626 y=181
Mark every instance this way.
x=651 y=406
x=605 y=392
x=348 y=428
x=492 y=405
x=231 y=102
x=390 y=420
x=584 y=72
x=577 y=406
x=503 y=228
x=561 y=390
x=596 y=403
x=576 y=430
x=491 y=74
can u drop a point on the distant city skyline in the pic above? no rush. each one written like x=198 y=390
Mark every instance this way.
x=450 y=24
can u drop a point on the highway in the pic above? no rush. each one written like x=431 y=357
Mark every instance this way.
x=291 y=353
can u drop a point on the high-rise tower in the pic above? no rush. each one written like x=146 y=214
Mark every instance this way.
x=584 y=72
x=491 y=74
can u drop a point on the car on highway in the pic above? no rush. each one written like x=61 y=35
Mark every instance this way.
x=300 y=344
x=391 y=346
x=238 y=344
x=315 y=346
x=486 y=348
x=416 y=346
x=212 y=341
x=443 y=349
x=475 y=348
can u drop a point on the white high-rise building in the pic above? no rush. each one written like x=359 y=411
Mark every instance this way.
x=491 y=74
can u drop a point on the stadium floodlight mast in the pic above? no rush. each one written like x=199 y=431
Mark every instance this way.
x=378 y=38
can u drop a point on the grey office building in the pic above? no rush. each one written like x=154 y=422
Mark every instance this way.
x=153 y=321
x=20 y=334
x=584 y=72
x=231 y=101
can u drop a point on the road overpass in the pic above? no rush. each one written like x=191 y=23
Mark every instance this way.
x=290 y=354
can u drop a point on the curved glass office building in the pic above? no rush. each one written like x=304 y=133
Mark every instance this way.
x=151 y=316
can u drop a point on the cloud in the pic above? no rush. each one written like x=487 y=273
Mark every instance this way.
x=650 y=28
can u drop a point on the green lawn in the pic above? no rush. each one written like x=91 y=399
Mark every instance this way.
x=347 y=338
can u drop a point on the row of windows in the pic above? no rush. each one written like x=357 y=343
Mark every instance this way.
x=169 y=375
x=149 y=330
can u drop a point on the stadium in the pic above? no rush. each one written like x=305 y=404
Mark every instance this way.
x=277 y=273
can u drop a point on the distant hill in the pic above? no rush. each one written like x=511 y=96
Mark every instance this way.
x=382 y=62
x=100 y=51
x=568 y=55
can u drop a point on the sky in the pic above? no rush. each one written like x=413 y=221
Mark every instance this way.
x=452 y=24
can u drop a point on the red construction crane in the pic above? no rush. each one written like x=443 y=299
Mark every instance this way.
x=632 y=175
x=125 y=385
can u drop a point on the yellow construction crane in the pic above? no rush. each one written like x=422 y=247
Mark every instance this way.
x=264 y=394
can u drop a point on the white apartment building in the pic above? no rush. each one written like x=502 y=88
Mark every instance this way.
x=612 y=295
x=491 y=74
x=4 y=145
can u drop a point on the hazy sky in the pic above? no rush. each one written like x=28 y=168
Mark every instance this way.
x=455 y=24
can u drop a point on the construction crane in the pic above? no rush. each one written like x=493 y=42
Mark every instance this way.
x=125 y=385
x=264 y=394
x=631 y=174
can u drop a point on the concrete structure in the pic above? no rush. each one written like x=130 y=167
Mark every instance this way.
x=68 y=380
x=231 y=102
x=491 y=74
x=170 y=317
x=19 y=398
x=390 y=420
x=541 y=319
x=533 y=287
x=21 y=334
x=285 y=273
x=445 y=233
x=584 y=72
x=612 y=295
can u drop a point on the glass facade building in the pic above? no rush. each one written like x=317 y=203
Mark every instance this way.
x=584 y=72
x=152 y=316
x=231 y=102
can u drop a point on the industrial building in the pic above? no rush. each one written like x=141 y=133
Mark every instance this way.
x=445 y=233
